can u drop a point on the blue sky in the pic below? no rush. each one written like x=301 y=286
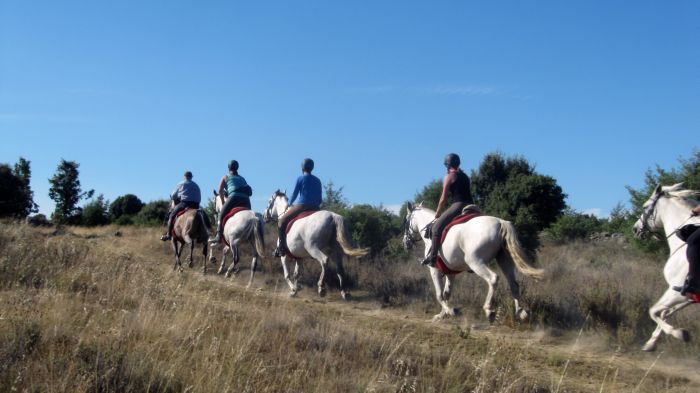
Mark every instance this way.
x=377 y=92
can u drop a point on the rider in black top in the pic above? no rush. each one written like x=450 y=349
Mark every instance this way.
x=692 y=283
x=456 y=186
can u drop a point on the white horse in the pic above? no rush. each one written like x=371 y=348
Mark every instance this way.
x=317 y=236
x=245 y=225
x=472 y=245
x=668 y=208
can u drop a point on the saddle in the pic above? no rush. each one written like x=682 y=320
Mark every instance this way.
x=472 y=211
x=298 y=217
x=200 y=211
x=228 y=215
x=289 y=228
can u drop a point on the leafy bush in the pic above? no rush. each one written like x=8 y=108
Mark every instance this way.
x=510 y=188
x=128 y=204
x=153 y=213
x=372 y=226
x=95 y=212
x=573 y=225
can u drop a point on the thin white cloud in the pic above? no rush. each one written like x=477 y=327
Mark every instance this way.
x=595 y=211
x=438 y=90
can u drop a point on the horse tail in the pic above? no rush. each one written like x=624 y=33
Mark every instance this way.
x=516 y=251
x=342 y=235
x=259 y=235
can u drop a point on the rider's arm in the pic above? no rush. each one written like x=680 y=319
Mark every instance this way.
x=222 y=188
x=449 y=179
x=176 y=192
x=297 y=188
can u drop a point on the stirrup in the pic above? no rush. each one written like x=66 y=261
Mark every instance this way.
x=165 y=238
x=279 y=251
x=428 y=261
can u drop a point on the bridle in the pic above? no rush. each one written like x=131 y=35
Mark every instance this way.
x=267 y=214
x=408 y=238
x=649 y=213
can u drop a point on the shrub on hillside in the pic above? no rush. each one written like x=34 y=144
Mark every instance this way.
x=573 y=225
x=95 y=212
x=153 y=213
x=128 y=204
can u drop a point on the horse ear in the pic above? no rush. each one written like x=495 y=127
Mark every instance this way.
x=285 y=191
x=409 y=206
x=420 y=204
x=215 y=194
x=657 y=190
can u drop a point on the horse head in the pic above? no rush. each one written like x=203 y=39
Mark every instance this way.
x=276 y=205
x=650 y=220
x=409 y=234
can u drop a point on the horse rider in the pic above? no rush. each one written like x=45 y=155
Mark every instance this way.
x=186 y=194
x=692 y=282
x=309 y=192
x=456 y=187
x=237 y=192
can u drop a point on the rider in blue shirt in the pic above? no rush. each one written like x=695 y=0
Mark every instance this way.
x=307 y=196
x=186 y=194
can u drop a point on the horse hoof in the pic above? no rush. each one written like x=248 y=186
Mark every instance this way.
x=322 y=292
x=491 y=316
x=685 y=335
x=523 y=315
x=221 y=271
x=649 y=347
x=292 y=293
x=345 y=295
x=438 y=317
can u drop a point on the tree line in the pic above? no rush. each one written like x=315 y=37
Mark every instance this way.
x=504 y=186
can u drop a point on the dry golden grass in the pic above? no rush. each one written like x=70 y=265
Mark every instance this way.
x=83 y=310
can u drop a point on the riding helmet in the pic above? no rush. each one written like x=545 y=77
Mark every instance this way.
x=307 y=165
x=452 y=160
x=233 y=165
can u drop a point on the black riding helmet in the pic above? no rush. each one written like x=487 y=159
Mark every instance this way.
x=452 y=160
x=307 y=165
x=233 y=165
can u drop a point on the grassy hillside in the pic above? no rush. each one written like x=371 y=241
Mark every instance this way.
x=87 y=310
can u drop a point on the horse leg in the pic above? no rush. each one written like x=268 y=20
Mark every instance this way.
x=491 y=279
x=222 y=267
x=505 y=262
x=437 y=284
x=292 y=284
x=670 y=302
x=190 y=259
x=337 y=256
x=253 y=264
x=177 y=255
x=233 y=269
x=205 y=252
x=323 y=260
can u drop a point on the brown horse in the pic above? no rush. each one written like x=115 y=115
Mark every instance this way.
x=190 y=228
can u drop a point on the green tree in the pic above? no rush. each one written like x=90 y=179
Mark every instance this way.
x=16 y=197
x=333 y=200
x=510 y=188
x=95 y=212
x=125 y=205
x=372 y=226
x=23 y=172
x=66 y=192
x=572 y=225
x=429 y=196
x=687 y=172
x=153 y=213
x=12 y=197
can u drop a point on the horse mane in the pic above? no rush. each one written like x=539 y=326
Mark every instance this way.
x=677 y=191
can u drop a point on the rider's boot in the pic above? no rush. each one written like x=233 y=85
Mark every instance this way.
x=165 y=237
x=280 y=250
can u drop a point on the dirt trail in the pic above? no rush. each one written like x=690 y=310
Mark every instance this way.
x=586 y=360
